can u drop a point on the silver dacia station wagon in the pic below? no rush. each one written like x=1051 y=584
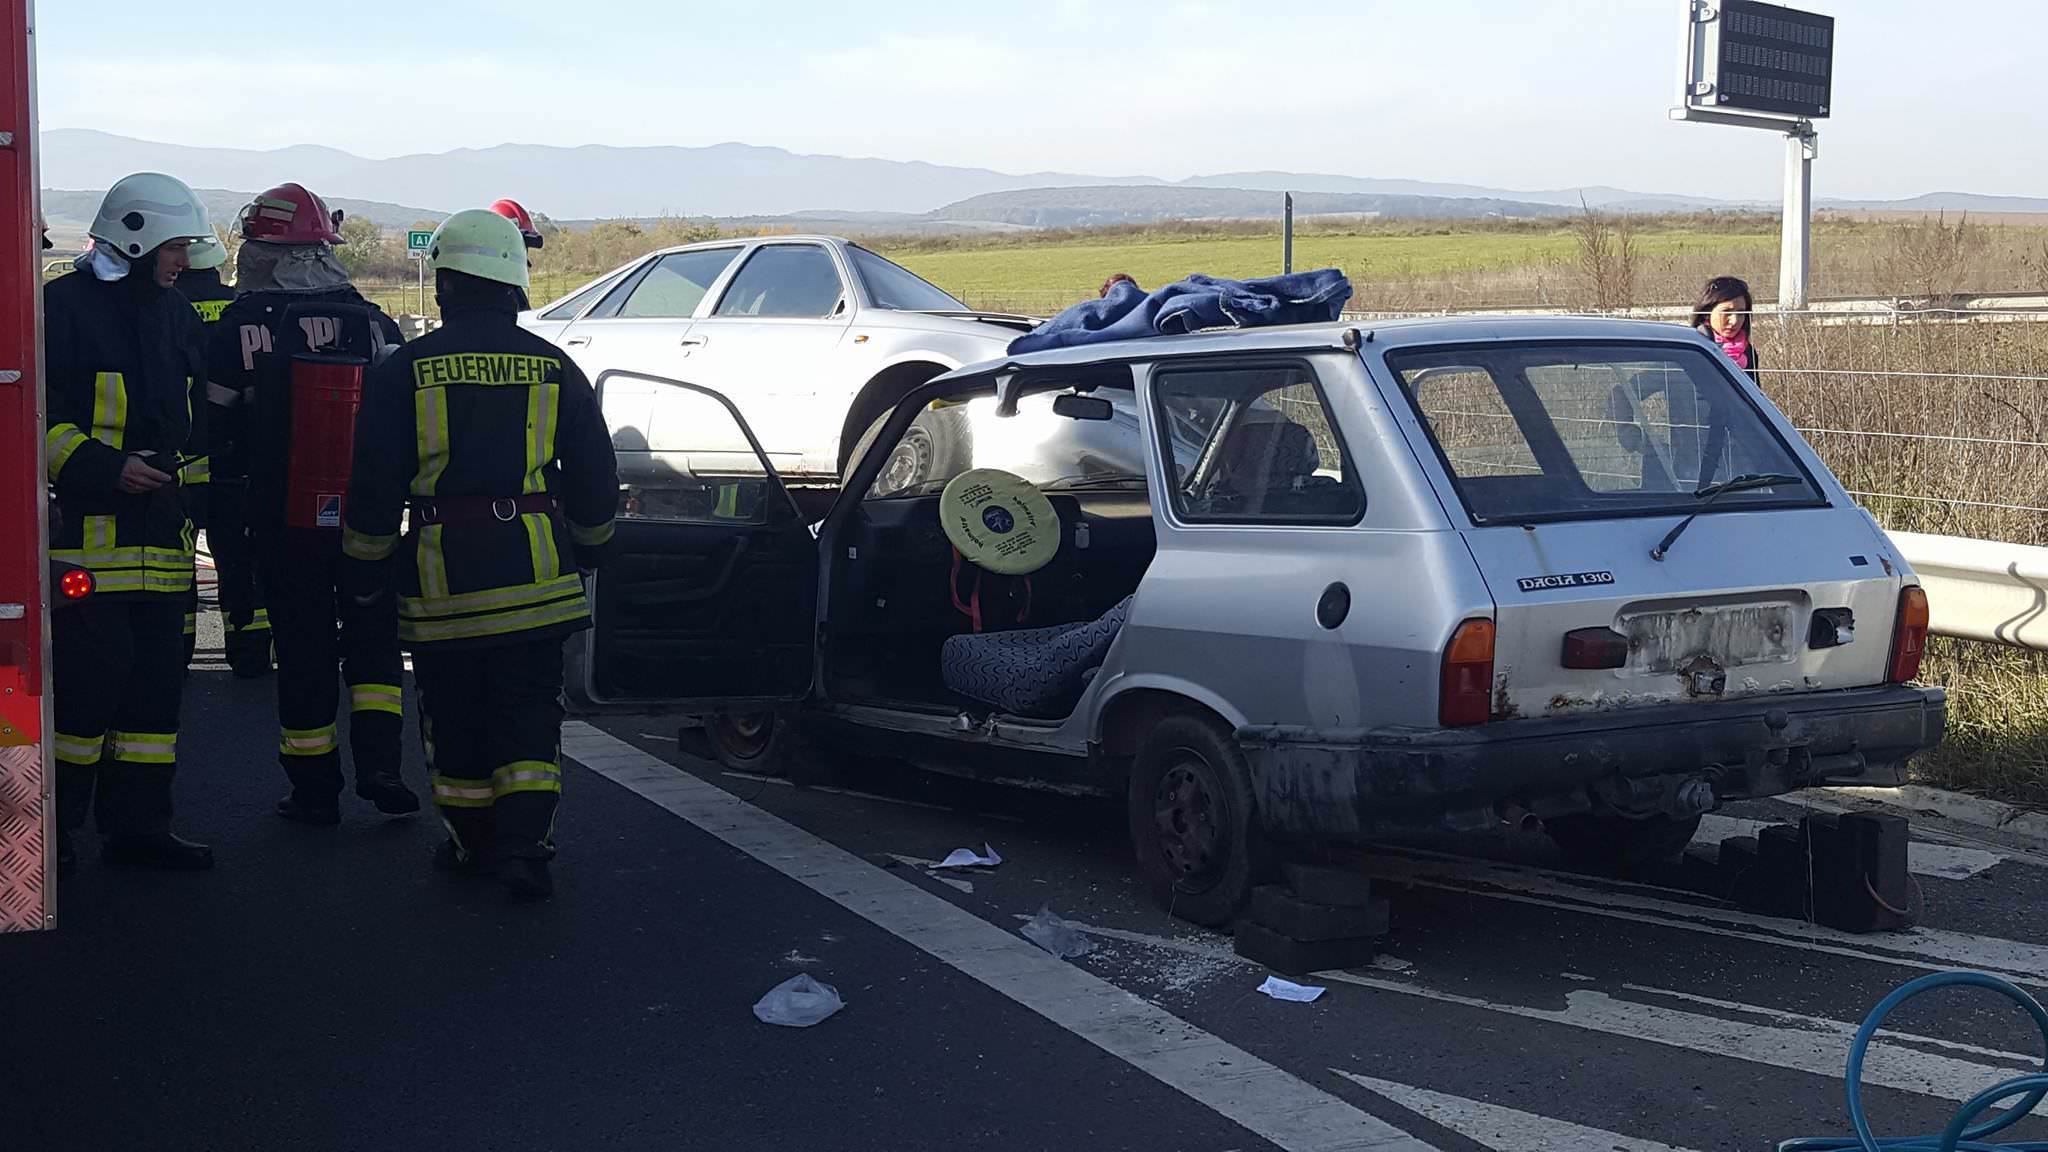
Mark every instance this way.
x=1290 y=587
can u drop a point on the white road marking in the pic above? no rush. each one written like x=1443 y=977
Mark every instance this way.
x=1820 y=1048
x=1498 y=1127
x=1944 y=861
x=1822 y=1024
x=1773 y=1037
x=1919 y=948
x=1250 y=1092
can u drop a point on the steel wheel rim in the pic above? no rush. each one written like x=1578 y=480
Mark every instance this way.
x=744 y=735
x=1185 y=815
x=909 y=462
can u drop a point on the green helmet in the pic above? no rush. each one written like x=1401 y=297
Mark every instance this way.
x=481 y=243
x=206 y=252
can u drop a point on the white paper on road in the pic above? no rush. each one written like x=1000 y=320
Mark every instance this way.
x=1280 y=989
x=968 y=858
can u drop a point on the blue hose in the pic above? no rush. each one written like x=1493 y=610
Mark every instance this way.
x=1960 y=1135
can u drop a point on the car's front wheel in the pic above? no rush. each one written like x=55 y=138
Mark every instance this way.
x=1193 y=822
x=940 y=445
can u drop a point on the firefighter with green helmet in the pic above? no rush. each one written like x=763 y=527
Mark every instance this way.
x=217 y=506
x=491 y=437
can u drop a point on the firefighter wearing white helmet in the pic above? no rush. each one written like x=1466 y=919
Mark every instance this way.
x=125 y=377
x=492 y=437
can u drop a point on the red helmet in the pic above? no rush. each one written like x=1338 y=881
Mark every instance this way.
x=290 y=214
x=511 y=210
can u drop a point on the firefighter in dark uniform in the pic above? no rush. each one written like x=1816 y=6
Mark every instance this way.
x=217 y=508
x=494 y=440
x=122 y=374
x=287 y=260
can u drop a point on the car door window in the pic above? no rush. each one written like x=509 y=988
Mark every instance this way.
x=568 y=309
x=1269 y=451
x=785 y=280
x=676 y=284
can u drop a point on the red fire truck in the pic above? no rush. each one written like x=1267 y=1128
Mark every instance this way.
x=27 y=812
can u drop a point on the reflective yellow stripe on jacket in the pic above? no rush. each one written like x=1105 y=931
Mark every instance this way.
x=495 y=612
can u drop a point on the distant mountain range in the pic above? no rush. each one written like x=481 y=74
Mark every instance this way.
x=69 y=213
x=744 y=182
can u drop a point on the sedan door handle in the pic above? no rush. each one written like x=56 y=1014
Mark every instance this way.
x=576 y=342
x=694 y=341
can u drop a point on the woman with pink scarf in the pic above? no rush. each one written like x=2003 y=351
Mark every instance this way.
x=1722 y=315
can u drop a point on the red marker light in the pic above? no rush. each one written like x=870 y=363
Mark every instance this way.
x=75 y=584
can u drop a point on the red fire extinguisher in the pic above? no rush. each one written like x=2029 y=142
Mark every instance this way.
x=328 y=347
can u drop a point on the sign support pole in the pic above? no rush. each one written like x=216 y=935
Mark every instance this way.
x=1795 y=245
x=1287 y=235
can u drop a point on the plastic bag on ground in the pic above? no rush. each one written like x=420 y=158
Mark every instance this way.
x=798 y=1002
x=1056 y=936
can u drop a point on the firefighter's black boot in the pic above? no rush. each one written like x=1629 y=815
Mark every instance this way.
x=527 y=878
x=300 y=811
x=160 y=850
x=387 y=792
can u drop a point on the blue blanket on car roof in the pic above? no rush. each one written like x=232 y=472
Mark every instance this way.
x=1197 y=302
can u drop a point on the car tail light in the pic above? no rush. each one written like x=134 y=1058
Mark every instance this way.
x=1909 y=635
x=75 y=584
x=1466 y=694
x=1595 y=648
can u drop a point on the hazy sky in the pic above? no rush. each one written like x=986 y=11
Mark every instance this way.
x=1510 y=93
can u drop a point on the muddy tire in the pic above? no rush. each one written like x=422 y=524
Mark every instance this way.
x=1610 y=844
x=1193 y=823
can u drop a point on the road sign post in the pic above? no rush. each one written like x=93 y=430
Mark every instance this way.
x=1754 y=65
x=417 y=243
x=1287 y=234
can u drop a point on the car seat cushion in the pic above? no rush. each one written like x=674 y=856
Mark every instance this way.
x=1034 y=672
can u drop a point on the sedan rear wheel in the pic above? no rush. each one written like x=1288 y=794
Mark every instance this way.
x=1193 y=823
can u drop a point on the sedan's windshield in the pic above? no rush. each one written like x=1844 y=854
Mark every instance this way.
x=1559 y=432
x=898 y=289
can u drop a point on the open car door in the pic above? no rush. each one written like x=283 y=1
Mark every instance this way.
x=707 y=599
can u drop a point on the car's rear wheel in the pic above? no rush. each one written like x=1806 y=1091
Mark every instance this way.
x=746 y=741
x=1612 y=844
x=1193 y=822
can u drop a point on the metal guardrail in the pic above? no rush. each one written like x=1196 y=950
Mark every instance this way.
x=1977 y=309
x=1981 y=589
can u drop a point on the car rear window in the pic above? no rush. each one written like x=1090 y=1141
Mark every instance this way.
x=1568 y=431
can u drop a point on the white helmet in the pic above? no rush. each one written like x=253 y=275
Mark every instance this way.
x=146 y=210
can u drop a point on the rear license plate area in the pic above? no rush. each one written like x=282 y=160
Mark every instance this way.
x=1729 y=635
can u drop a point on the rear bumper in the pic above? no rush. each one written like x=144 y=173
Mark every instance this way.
x=1343 y=784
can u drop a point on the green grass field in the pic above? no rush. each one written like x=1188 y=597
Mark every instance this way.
x=1036 y=277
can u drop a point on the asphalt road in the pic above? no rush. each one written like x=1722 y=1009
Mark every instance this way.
x=324 y=989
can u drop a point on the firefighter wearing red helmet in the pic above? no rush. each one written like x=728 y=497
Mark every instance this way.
x=122 y=371
x=290 y=353
x=512 y=210
x=494 y=439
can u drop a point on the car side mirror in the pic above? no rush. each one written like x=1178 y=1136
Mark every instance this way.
x=1075 y=406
